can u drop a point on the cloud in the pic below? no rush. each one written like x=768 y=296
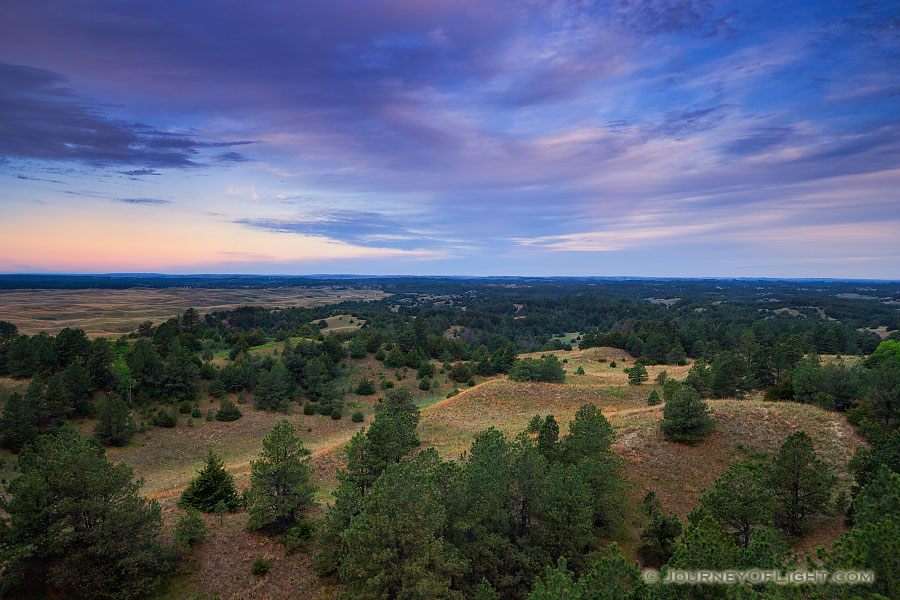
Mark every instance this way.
x=147 y=201
x=43 y=119
x=140 y=172
x=350 y=226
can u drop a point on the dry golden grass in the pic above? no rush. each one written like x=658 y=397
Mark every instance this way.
x=115 y=312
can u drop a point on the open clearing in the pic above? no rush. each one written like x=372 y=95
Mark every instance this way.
x=115 y=312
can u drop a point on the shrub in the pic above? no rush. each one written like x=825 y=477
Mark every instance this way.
x=309 y=409
x=213 y=486
x=296 y=537
x=216 y=388
x=164 y=418
x=228 y=411
x=191 y=529
x=471 y=382
x=260 y=566
x=195 y=412
x=184 y=407
x=336 y=414
x=579 y=371
x=425 y=384
x=612 y=364
x=210 y=415
x=653 y=398
x=365 y=387
x=547 y=368
x=460 y=372
x=380 y=355
x=386 y=384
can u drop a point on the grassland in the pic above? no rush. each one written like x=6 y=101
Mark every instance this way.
x=114 y=312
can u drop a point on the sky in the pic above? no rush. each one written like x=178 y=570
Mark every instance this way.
x=686 y=138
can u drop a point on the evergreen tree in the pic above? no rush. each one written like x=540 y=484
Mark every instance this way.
x=99 y=363
x=280 y=487
x=394 y=546
x=116 y=425
x=75 y=521
x=274 y=388
x=653 y=399
x=659 y=535
x=801 y=482
x=741 y=500
x=18 y=423
x=213 y=484
x=228 y=411
x=637 y=374
x=79 y=388
x=686 y=418
x=181 y=374
x=190 y=530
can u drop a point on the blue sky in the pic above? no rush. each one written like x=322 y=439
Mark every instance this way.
x=672 y=138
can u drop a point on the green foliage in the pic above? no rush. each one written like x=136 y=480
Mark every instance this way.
x=280 y=487
x=195 y=412
x=425 y=384
x=164 y=418
x=228 y=411
x=460 y=372
x=116 y=426
x=75 y=521
x=212 y=485
x=190 y=530
x=260 y=566
x=659 y=535
x=309 y=409
x=274 y=388
x=741 y=500
x=357 y=417
x=547 y=368
x=653 y=399
x=637 y=374
x=365 y=387
x=394 y=546
x=184 y=407
x=336 y=414
x=686 y=418
x=801 y=482
x=18 y=423
x=609 y=578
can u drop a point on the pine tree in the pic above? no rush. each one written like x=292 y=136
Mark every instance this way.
x=213 y=484
x=228 y=411
x=741 y=500
x=274 y=388
x=802 y=482
x=686 y=418
x=75 y=521
x=637 y=374
x=116 y=424
x=280 y=487
x=18 y=423
x=653 y=399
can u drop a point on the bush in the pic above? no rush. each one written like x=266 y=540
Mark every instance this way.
x=210 y=415
x=212 y=487
x=195 y=412
x=612 y=364
x=191 y=529
x=164 y=418
x=357 y=417
x=425 y=384
x=386 y=384
x=547 y=368
x=471 y=382
x=365 y=387
x=184 y=407
x=228 y=411
x=216 y=388
x=380 y=355
x=260 y=566
x=460 y=372
x=336 y=414
x=309 y=409
x=296 y=537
